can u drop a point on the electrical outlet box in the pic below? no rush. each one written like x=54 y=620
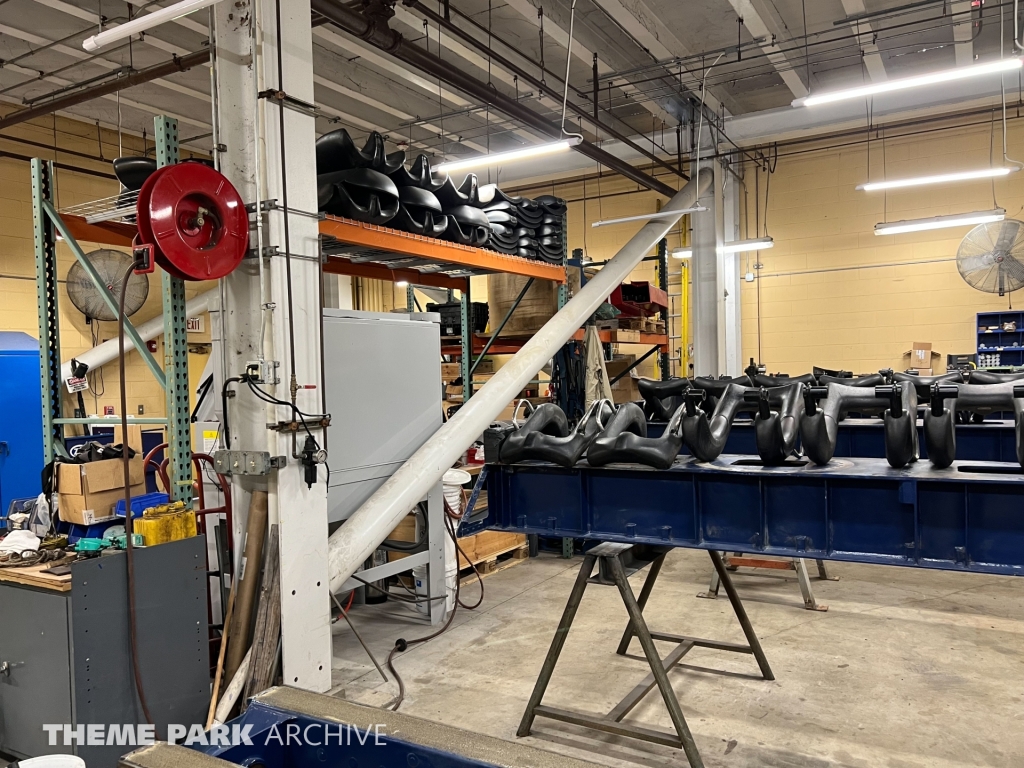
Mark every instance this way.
x=263 y=371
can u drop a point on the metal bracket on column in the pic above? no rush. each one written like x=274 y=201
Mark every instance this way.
x=466 y=361
x=179 y=435
x=46 y=302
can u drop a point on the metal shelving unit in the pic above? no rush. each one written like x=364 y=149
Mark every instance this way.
x=48 y=224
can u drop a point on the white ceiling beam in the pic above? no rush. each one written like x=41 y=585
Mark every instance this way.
x=963 y=32
x=362 y=98
x=111 y=97
x=74 y=53
x=758 y=28
x=866 y=40
x=372 y=56
x=643 y=26
x=528 y=11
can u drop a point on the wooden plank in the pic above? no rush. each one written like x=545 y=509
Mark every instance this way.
x=33 y=576
x=758 y=562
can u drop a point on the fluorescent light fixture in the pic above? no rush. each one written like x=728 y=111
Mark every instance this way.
x=501 y=158
x=900 y=84
x=737 y=246
x=646 y=216
x=742 y=246
x=402 y=284
x=940 y=222
x=942 y=178
x=142 y=23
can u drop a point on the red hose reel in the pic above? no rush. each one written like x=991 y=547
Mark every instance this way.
x=194 y=219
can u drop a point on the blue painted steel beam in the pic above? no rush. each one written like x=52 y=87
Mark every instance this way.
x=857 y=510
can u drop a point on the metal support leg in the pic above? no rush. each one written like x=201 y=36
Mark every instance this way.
x=800 y=566
x=645 y=594
x=636 y=620
x=557 y=643
x=823 y=573
x=712 y=593
x=741 y=615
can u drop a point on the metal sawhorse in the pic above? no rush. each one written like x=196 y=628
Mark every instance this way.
x=610 y=556
x=797 y=564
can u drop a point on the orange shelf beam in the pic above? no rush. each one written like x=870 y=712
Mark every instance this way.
x=389 y=240
x=104 y=232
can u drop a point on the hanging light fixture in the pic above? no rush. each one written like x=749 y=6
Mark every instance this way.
x=142 y=23
x=513 y=156
x=647 y=216
x=736 y=246
x=939 y=222
x=942 y=178
x=904 y=83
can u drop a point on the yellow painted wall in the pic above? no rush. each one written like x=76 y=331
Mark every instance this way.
x=17 y=259
x=865 y=319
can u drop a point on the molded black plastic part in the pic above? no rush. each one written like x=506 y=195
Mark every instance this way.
x=625 y=439
x=358 y=193
x=419 y=213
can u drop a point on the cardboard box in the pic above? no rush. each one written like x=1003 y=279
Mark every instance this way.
x=87 y=493
x=625 y=390
x=404 y=531
x=451 y=371
x=622 y=336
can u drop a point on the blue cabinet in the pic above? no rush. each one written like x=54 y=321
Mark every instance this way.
x=1000 y=339
x=21 y=418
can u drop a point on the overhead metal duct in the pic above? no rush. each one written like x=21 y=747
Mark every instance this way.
x=363 y=532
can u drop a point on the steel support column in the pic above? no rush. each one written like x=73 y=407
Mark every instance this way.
x=271 y=306
x=46 y=296
x=730 y=277
x=706 y=241
x=179 y=427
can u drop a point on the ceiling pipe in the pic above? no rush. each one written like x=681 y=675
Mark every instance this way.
x=362 y=533
x=177 y=64
x=372 y=27
x=501 y=61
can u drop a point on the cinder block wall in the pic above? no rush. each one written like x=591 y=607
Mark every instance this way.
x=17 y=257
x=832 y=293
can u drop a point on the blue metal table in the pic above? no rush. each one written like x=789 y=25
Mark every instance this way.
x=968 y=517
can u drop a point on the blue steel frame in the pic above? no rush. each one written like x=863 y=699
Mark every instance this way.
x=858 y=510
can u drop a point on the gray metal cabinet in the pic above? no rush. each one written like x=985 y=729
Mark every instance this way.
x=35 y=686
x=68 y=653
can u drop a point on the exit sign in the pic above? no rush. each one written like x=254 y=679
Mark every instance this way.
x=195 y=325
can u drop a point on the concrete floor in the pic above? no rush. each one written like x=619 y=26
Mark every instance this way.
x=908 y=668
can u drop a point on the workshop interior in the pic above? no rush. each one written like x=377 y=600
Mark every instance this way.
x=511 y=383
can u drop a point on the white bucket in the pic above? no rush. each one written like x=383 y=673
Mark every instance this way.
x=452 y=481
x=53 y=761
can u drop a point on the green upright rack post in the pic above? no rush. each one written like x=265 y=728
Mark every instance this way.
x=466 y=362
x=663 y=361
x=46 y=300
x=179 y=434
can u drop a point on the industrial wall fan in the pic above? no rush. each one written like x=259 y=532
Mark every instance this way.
x=991 y=257
x=111 y=266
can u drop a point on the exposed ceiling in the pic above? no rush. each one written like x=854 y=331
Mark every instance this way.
x=754 y=55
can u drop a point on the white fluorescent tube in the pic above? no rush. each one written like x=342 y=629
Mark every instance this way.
x=737 y=246
x=742 y=246
x=647 y=216
x=402 y=284
x=500 y=158
x=940 y=222
x=887 y=86
x=142 y=23
x=984 y=173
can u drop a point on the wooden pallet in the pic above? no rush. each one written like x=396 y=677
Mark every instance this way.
x=498 y=562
